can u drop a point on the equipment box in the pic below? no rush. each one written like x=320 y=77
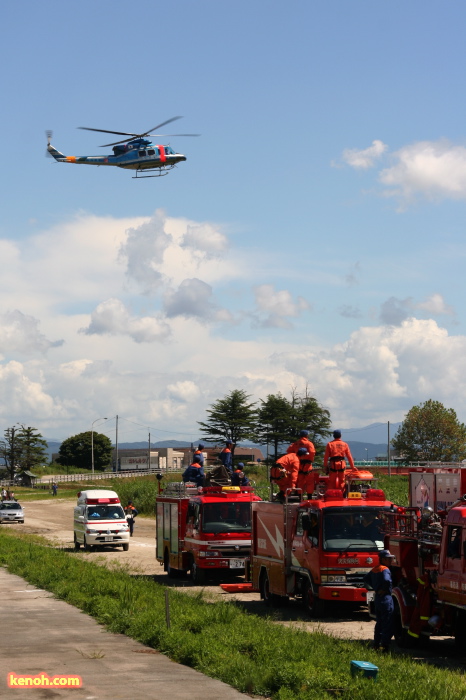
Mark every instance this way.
x=365 y=668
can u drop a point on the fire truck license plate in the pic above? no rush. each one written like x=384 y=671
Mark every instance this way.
x=108 y=539
x=236 y=563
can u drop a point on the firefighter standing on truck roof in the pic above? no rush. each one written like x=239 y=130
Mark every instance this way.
x=195 y=472
x=334 y=461
x=285 y=474
x=226 y=457
x=380 y=580
x=306 y=475
x=199 y=454
x=303 y=441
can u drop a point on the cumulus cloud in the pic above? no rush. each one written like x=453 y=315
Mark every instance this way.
x=20 y=333
x=276 y=307
x=394 y=311
x=144 y=252
x=193 y=298
x=204 y=239
x=432 y=169
x=111 y=317
x=364 y=159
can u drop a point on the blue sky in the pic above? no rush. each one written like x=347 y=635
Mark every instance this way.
x=314 y=236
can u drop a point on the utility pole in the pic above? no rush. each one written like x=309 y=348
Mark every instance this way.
x=116 y=446
x=148 y=456
x=388 y=451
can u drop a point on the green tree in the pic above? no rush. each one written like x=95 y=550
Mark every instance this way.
x=431 y=432
x=275 y=422
x=76 y=451
x=310 y=415
x=231 y=418
x=280 y=420
x=33 y=448
x=10 y=449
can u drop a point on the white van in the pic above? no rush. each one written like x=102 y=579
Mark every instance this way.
x=99 y=519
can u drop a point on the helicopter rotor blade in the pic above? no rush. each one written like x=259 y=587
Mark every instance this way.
x=106 y=131
x=173 y=135
x=159 y=126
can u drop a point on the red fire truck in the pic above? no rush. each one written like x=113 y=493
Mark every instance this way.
x=429 y=542
x=318 y=550
x=204 y=529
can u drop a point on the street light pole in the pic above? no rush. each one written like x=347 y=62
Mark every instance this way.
x=92 y=442
x=367 y=454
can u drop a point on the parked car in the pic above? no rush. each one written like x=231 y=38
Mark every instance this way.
x=11 y=512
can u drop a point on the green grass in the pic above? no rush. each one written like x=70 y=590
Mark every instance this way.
x=252 y=654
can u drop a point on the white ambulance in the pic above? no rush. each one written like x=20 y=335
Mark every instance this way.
x=99 y=519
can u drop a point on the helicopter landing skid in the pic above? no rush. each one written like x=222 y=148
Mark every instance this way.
x=159 y=172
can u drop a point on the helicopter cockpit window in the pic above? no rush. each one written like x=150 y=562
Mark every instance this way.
x=142 y=153
x=151 y=152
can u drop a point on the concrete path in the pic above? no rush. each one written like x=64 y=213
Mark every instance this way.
x=42 y=634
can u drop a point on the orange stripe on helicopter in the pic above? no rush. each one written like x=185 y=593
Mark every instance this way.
x=71 y=159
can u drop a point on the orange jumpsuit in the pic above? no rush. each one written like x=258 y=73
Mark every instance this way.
x=306 y=476
x=303 y=442
x=335 y=453
x=290 y=465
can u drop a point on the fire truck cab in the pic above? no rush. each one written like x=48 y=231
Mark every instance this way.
x=317 y=550
x=204 y=529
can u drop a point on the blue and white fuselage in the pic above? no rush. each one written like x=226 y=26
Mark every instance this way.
x=138 y=154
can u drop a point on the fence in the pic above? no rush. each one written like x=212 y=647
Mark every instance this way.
x=47 y=482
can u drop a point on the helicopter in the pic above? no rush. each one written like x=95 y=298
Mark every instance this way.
x=135 y=152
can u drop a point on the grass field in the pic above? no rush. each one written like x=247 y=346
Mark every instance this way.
x=252 y=654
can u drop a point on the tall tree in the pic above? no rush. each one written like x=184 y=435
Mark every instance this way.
x=431 y=432
x=33 y=448
x=310 y=415
x=10 y=449
x=275 y=422
x=76 y=451
x=280 y=420
x=231 y=418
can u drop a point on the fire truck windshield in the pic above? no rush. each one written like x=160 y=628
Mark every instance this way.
x=105 y=513
x=226 y=517
x=350 y=528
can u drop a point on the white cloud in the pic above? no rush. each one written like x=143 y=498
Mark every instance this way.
x=432 y=169
x=204 y=238
x=275 y=307
x=363 y=159
x=193 y=298
x=394 y=311
x=113 y=318
x=20 y=333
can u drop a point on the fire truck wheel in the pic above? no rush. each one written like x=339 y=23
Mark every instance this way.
x=402 y=638
x=314 y=606
x=77 y=544
x=264 y=588
x=197 y=575
x=171 y=572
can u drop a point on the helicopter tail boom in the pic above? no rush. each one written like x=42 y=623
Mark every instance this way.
x=56 y=154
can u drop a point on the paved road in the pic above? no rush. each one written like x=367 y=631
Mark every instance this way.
x=43 y=634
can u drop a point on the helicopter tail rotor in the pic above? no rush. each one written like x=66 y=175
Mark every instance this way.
x=49 y=135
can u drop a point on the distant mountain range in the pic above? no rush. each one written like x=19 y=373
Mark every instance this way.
x=365 y=443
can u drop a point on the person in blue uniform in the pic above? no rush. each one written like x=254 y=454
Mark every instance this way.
x=239 y=478
x=379 y=579
x=199 y=452
x=226 y=457
x=194 y=473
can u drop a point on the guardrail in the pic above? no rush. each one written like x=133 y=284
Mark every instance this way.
x=88 y=476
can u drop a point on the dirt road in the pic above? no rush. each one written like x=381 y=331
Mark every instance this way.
x=53 y=519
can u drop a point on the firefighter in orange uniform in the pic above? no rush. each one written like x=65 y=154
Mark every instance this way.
x=285 y=474
x=303 y=441
x=306 y=476
x=336 y=453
